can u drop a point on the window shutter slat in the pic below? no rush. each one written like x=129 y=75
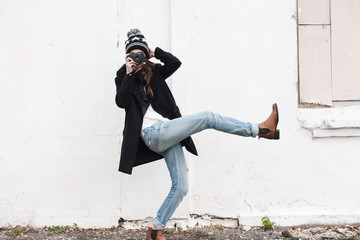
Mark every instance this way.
x=315 y=65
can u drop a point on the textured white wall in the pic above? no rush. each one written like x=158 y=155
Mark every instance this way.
x=59 y=127
x=61 y=130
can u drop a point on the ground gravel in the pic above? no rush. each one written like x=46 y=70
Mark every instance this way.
x=213 y=232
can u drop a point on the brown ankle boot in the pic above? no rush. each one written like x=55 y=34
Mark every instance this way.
x=154 y=235
x=268 y=129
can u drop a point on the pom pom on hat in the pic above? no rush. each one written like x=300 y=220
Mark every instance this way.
x=136 y=40
x=133 y=32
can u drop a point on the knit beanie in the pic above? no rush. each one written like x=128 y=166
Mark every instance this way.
x=136 y=40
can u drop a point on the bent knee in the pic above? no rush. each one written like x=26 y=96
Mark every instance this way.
x=183 y=190
x=207 y=114
x=209 y=118
x=210 y=114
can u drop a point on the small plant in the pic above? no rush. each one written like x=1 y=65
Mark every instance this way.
x=219 y=227
x=113 y=228
x=75 y=227
x=267 y=224
x=56 y=229
x=200 y=234
x=18 y=231
x=169 y=231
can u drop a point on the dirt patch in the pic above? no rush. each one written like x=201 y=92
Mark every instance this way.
x=120 y=234
x=208 y=233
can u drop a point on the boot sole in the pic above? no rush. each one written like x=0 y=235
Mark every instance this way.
x=277 y=131
x=277 y=134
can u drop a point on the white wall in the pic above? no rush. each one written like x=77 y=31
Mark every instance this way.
x=60 y=128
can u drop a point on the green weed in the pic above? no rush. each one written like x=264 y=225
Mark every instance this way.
x=75 y=227
x=18 y=231
x=219 y=227
x=200 y=234
x=113 y=228
x=267 y=224
x=58 y=229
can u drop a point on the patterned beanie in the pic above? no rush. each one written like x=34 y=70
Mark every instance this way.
x=136 y=40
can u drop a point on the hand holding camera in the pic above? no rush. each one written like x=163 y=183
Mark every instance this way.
x=134 y=62
x=138 y=57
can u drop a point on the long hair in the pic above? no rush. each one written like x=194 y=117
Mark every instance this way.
x=146 y=74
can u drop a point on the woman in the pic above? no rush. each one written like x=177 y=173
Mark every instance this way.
x=154 y=127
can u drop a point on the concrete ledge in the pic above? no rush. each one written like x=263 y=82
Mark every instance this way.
x=248 y=221
x=340 y=132
x=340 y=121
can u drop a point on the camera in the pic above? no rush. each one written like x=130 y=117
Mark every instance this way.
x=138 y=57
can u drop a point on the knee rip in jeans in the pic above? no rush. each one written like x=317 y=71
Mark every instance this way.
x=160 y=146
x=156 y=145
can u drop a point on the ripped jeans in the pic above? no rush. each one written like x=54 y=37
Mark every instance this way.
x=165 y=138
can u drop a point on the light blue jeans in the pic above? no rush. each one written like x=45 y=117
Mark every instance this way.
x=165 y=138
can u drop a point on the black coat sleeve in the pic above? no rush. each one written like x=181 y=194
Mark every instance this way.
x=124 y=83
x=171 y=63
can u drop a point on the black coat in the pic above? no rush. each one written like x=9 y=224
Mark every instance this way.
x=130 y=96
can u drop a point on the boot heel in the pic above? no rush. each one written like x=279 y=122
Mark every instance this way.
x=277 y=134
